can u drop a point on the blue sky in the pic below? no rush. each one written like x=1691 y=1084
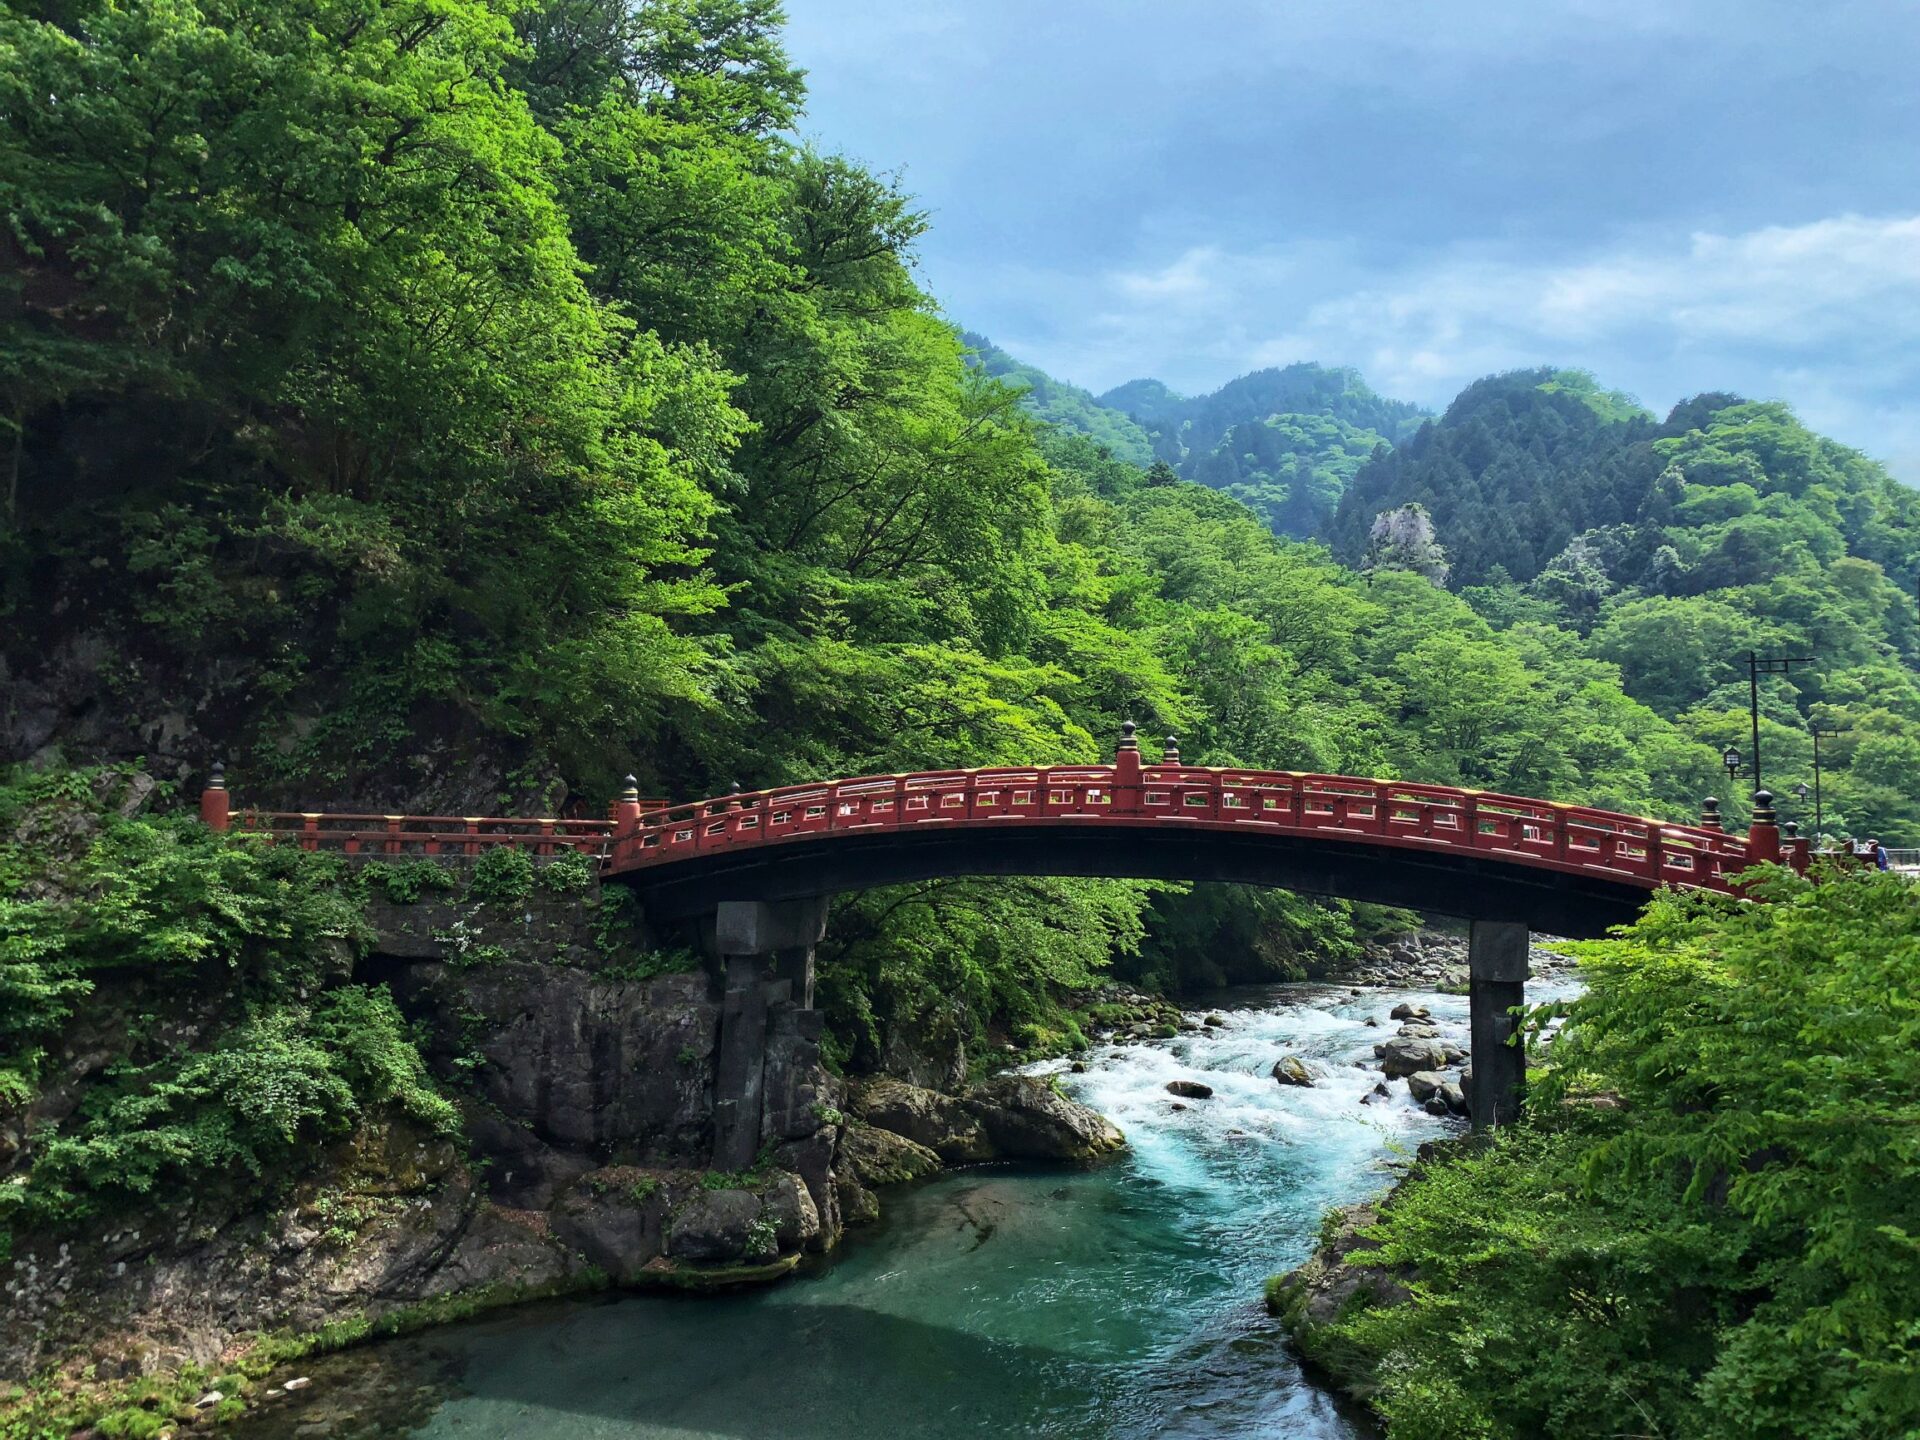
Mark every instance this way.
x=1679 y=196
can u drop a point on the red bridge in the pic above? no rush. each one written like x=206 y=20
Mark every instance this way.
x=753 y=871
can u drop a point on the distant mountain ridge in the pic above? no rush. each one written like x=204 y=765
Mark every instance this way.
x=1285 y=441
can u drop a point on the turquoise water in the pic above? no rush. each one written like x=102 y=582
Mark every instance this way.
x=1117 y=1302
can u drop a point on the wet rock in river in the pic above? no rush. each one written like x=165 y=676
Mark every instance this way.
x=1190 y=1089
x=1425 y=1084
x=1292 y=1070
x=1403 y=1055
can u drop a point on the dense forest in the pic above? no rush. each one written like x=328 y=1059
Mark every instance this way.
x=454 y=405
x=1670 y=549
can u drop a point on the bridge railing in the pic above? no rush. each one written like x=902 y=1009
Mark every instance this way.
x=424 y=834
x=1404 y=813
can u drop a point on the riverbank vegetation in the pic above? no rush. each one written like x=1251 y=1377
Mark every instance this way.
x=1706 y=1225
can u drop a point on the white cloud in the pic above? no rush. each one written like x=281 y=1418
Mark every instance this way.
x=1825 y=315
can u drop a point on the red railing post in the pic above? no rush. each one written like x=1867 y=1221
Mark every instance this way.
x=1763 y=835
x=626 y=823
x=216 y=805
x=1126 y=772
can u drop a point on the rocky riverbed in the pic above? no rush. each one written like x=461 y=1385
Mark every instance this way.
x=1117 y=1300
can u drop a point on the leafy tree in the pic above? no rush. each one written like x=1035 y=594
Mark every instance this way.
x=1706 y=1227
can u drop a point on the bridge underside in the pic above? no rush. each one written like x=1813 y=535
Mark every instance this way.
x=1475 y=886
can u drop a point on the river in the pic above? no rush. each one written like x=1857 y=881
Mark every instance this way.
x=1117 y=1302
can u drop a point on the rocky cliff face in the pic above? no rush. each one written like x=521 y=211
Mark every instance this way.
x=585 y=1086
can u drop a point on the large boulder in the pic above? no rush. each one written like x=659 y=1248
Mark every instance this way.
x=880 y=1157
x=1292 y=1070
x=721 y=1225
x=785 y=1200
x=1406 y=1010
x=1334 y=1281
x=1190 y=1089
x=1025 y=1118
x=947 y=1126
x=1454 y=1097
x=613 y=1218
x=1425 y=1084
x=1404 y=1055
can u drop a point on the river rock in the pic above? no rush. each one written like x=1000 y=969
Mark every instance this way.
x=1403 y=1055
x=942 y=1123
x=1405 y=1010
x=1371 y=1020
x=1292 y=1070
x=1024 y=1118
x=1425 y=1084
x=1455 y=1098
x=606 y=1219
x=1420 y=1032
x=881 y=1157
x=1436 y=1106
x=1453 y=1053
x=1215 y=1021
x=1331 y=1284
x=785 y=1200
x=1190 y=1089
x=716 y=1225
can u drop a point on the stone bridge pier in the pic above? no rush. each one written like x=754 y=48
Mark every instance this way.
x=765 y=950
x=1496 y=985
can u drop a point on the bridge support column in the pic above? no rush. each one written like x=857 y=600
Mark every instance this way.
x=752 y=938
x=1497 y=976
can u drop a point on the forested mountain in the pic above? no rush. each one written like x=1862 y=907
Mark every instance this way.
x=1284 y=442
x=1063 y=406
x=1677 y=546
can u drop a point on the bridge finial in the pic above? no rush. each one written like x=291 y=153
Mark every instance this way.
x=216 y=806
x=1127 y=742
x=1170 y=753
x=1791 y=829
x=632 y=791
x=1763 y=807
x=1709 y=814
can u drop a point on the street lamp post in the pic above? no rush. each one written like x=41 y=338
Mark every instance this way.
x=1819 y=813
x=1756 y=667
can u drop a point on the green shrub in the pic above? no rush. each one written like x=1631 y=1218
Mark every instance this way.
x=405 y=883
x=269 y=1087
x=568 y=873
x=501 y=876
x=1710 y=1226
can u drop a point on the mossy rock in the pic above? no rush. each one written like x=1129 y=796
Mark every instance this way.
x=666 y=1274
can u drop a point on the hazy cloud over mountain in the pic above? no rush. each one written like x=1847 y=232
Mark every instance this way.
x=1698 y=194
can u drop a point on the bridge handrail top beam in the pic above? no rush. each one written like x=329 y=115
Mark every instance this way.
x=332 y=816
x=1310 y=784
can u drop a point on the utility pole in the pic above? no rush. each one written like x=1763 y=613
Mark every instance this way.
x=1756 y=667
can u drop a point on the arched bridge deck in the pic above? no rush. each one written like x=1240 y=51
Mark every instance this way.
x=1562 y=868
x=754 y=870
